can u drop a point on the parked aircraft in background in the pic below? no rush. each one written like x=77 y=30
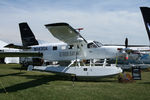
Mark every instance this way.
x=143 y=55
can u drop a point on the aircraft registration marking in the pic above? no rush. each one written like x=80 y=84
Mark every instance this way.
x=40 y=48
x=68 y=53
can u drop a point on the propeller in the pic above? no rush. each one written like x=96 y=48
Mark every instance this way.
x=126 y=42
x=126 y=49
x=126 y=46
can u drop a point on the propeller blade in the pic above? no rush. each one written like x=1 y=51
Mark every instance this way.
x=126 y=42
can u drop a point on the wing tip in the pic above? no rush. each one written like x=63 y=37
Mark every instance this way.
x=57 y=24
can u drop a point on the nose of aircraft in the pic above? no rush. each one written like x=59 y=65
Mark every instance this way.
x=113 y=52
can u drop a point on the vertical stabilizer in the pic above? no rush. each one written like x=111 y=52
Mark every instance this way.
x=27 y=36
x=146 y=16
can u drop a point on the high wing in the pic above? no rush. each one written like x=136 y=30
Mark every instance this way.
x=65 y=33
x=20 y=54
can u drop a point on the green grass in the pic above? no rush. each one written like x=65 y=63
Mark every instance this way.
x=34 y=85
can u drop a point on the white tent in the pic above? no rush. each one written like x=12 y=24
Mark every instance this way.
x=9 y=60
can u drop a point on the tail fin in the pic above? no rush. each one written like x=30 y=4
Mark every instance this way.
x=27 y=36
x=146 y=16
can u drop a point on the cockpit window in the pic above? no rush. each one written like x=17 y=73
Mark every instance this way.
x=98 y=43
x=91 y=45
x=63 y=47
x=54 y=47
x=70 y=46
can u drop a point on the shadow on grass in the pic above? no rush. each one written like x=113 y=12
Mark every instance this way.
x=145 y=83
x=98 y=79
x=20 y=68
x=13 y=74
x=39 y=80
x=42 y=79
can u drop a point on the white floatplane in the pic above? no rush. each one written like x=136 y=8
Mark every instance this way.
x=75 y=50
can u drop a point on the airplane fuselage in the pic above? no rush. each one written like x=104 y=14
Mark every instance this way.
x=62 y=51
x=65 y=52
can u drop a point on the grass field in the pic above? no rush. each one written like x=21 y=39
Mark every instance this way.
x=33 y=85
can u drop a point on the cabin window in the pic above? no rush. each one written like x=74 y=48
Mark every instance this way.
x=78 y=46
x=70 y=46
x=54 y=47
x=91 y=45
x=63 y=47
x=85 y=69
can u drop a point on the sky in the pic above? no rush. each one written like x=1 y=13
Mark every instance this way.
x=106 y=21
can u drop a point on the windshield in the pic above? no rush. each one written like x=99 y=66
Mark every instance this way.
x=91 y=45
x=98 y=43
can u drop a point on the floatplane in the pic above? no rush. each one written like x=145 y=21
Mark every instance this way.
x=76 y=50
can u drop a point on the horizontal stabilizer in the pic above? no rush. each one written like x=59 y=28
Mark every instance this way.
x=16 y=46
x=20 y=54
